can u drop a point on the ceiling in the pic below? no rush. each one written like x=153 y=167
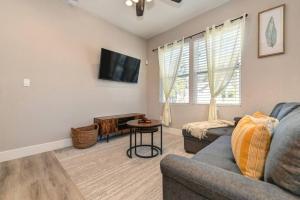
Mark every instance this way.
x=159 y=16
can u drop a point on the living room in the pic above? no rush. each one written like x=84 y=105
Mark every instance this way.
x=205 y=106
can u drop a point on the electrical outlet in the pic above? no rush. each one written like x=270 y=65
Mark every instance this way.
x=26 y=82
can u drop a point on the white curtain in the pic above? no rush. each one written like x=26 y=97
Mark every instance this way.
x=169 y=61
x=224 y=47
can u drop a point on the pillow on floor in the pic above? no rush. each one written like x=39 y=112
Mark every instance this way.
x=250 y=143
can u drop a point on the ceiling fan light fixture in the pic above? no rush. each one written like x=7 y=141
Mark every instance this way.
x=128 y=3
x=140 y=5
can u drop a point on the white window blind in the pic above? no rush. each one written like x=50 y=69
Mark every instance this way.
x=180 y=92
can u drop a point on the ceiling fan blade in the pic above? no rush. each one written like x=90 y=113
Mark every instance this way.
x=177 y=1
x=140 y=7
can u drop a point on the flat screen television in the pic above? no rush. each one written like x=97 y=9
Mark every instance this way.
x=118 y=67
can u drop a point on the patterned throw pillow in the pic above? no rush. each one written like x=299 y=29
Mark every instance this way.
x=251 y=142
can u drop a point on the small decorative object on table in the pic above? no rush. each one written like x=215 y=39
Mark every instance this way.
x=144 y=120
x=85 y=137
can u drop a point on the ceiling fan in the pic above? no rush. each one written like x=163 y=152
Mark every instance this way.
x=140 y=5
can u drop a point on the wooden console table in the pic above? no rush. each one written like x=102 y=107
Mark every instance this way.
x=115 y=123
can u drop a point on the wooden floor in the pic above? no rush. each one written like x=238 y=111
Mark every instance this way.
x=104 y=172
x=39 y=177
x=100 y=172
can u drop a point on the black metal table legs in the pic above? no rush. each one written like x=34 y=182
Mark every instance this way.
x=130 y=142
x=152 y=144
x=155 y=150
x=161 y=141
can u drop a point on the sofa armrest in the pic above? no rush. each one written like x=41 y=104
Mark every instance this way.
x=215 y=183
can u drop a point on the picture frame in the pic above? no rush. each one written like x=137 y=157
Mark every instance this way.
x=271 y=31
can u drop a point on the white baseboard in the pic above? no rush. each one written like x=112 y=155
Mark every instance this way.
x=50 y=146
x=34 y=149
x=173 y=130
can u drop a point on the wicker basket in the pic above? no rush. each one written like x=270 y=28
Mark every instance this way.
x=85 y=137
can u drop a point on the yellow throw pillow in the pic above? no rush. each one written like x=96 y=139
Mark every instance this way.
x=250 y=144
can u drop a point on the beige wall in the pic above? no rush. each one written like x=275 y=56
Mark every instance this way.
x=264 y=81
x=58 y=48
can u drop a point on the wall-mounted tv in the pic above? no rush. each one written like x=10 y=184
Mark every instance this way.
x=118 y=67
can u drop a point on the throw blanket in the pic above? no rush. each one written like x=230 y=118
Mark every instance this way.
x=199 y=129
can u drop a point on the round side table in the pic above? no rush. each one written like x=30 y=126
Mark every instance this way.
x=144 y=128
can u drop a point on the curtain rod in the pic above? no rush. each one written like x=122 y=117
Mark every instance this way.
x=241 y=17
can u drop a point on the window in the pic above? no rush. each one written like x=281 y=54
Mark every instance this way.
x=180 y=92
x=191 y=85
x=201 y=92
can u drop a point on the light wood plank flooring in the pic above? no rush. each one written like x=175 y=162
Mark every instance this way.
x=105 y=172
x=38 y=177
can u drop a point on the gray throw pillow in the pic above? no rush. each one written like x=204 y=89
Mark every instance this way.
x=283 y=162
x=286 y=109
x=276 y=110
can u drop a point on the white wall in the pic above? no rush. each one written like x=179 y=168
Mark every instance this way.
x=58 y=48
x=265 y=82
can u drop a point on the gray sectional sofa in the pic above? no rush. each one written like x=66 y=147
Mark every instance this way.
x=193 y=144
x=213 y=174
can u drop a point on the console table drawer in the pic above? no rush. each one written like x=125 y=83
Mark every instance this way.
x=108 y=126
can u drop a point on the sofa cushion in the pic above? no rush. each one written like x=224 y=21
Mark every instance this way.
x=283 y=161
x=212 y=133
x=194 y=145
x=286 y=109
x=218 y=154
x=221 y=131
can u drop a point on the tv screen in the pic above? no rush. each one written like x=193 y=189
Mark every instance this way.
x=118 y=67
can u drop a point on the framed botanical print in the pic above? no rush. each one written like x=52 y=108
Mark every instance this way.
x=271 y=31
